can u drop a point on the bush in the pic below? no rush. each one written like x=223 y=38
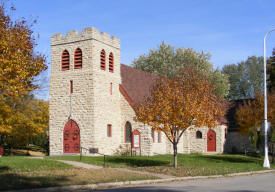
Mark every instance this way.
x=42 y=141
x=123 y=150
x=234 y=150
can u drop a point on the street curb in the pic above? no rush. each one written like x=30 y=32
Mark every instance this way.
x=135 y=183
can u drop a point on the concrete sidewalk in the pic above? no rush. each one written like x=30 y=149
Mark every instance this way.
x=80 y=164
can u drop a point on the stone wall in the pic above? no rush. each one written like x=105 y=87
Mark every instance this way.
x=106 y=104
x=148 y=147
x=191 y=144
x=92 y=105
x=62 y=103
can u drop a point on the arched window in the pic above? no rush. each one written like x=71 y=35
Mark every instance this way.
x=198 y=135
x=159 y=137
x=78 y=59
x=111 y=62
x=128 y=132
x=109 y=130
x=65 y=60
x=102 y=59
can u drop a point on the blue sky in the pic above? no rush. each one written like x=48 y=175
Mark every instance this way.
x=229 y=30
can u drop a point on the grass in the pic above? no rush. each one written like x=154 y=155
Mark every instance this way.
x=17 y=172
x=200 y=165
x=20 y=163
x=120 y=161
x=188 y=165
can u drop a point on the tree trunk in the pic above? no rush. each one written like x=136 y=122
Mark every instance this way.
x=175 y=147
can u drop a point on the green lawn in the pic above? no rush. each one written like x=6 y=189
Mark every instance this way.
x=19 y=163
x=189 y=165
x=17 y=172
x=199 y=165
x=121 y=161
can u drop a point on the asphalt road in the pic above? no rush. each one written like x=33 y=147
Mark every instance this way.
x=254 y=183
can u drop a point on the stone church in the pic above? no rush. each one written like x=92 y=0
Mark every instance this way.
x=92 y=97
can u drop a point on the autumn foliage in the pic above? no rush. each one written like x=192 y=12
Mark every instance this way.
x=19 y=63
x=26 y=118
x=250 y=115
x=21 y=116
x=177 y=104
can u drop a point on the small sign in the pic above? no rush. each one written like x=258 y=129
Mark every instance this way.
x=93 y=150
x=136 y=139
x=268 y=128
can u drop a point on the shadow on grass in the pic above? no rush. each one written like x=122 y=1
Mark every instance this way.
x=137 y=162
x=10 y=181
x=4 y=168
x=231 y=159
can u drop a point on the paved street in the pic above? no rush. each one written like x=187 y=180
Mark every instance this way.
x=255 y=183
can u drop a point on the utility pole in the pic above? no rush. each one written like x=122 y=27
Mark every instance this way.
x=266 y=160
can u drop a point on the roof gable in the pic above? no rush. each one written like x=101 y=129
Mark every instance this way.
x=136 y=83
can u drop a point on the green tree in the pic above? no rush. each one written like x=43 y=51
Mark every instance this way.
x=271 y=72
x=245 y=78
x=238 y=82
x=168 y=61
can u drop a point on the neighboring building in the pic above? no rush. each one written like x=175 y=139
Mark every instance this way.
x=235 y=142
x=92 y=97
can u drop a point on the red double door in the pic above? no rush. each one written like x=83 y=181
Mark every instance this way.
x=71 y=137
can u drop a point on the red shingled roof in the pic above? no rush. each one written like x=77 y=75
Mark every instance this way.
x=135 y=83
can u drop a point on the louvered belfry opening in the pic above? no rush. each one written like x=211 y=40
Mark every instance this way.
x=65 y=63
x=111 y=62
x=102 y=59
x=78 y=59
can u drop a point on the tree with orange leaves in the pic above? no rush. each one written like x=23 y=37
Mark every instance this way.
x=177 y=104
x=19 y=65
x=250 y=116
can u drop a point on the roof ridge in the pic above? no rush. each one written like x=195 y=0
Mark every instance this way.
x=139 y=70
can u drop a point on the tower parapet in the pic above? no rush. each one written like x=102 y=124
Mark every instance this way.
x=89 y=33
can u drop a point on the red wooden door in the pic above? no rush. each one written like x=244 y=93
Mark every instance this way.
x=211 y=141
x=71 y=138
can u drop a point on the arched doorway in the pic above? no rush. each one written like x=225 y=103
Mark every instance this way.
x=211 y=141
x=128 y=132
x=71 y=137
